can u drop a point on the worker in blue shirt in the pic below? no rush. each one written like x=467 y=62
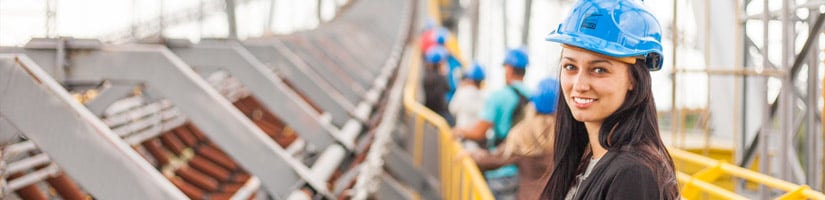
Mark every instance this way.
x=502 y=109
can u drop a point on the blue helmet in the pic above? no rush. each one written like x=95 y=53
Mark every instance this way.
x=476 y=73
x=435 y=54
x=441 y=35
x=623 y=28
x=546 y=98
x=516 y=58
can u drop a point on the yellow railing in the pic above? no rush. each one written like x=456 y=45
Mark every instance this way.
x=694 y=185
x=460 y=177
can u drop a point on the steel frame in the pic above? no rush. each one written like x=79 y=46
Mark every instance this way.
x=163 y=72
x=76 y=138
x=230 y=55
x=788 y=122
x=166 y=77
x=793 y=120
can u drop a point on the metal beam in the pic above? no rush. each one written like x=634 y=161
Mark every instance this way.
x=794 y=70
x=75 y=138
x=165 y=73
x=334 y=77
x=307 y=83
x=111 y=92
x=813 y=36
x=399 y=163
x=392 y=189
x=812 y=152
x=267 y=87
x=8 y=134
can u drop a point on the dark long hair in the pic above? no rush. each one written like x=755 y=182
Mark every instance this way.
x=633 y=128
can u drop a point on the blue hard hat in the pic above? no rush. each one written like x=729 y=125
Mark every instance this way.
x=435 y=54
x=623 y=28
x=516 y=58
x=441 y=35
x=476 y=73
x=546 y=98
x=429 y=23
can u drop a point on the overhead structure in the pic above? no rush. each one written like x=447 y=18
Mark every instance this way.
x=210 y=119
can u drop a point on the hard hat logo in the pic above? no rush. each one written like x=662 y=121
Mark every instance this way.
x=623 y=28
x=591 y=21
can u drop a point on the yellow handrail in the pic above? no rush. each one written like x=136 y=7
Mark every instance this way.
x=460 y=177
x=709 y=188
x=713 y=169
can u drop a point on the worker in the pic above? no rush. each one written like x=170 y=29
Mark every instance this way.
x=435 y=83
x=529 y=144
x=607 y=135
x=468 y=100
x=502 y=109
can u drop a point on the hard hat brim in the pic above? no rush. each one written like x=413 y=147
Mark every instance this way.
x=603 y=47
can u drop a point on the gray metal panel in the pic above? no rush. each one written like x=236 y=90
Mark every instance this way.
x=333 y=59
x=76 y=139
x=110 y=94
x=162 y=71
x=339 y=79
x=361 y=44
x=366 y=12
x=431 y=164
x=45 y=58
x=343 y=58
x=355 y=43
x=264 y=85
x=324 y=95
x=399 y=163
x=391 y=189
x=8 y=133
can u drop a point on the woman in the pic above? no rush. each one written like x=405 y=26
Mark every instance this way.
x=529 y=144
x=607 y=143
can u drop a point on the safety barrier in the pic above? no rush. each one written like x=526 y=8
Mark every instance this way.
x=460 y=177
x=694 y=185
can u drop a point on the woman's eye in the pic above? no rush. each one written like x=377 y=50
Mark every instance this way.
x=569 y=67
x=599 y=70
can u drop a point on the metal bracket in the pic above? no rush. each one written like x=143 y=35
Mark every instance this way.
x=309 y=84
x=80 y=133
x=161 y=70
x=239 y=62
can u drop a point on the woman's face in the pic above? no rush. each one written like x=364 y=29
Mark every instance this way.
x=594 y=85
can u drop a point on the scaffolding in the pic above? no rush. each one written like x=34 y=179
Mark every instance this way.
x=783 y=131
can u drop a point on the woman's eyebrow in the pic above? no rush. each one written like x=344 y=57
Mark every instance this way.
x=593 y=62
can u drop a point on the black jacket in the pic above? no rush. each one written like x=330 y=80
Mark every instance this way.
x=620 y=175
x=435 y=91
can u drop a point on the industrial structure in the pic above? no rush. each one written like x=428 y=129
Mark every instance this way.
x=334 y=112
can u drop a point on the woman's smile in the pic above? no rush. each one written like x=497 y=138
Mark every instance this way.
x=583 y=102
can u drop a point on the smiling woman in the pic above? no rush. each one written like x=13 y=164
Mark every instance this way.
x=594 y=84
x=607 y=139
